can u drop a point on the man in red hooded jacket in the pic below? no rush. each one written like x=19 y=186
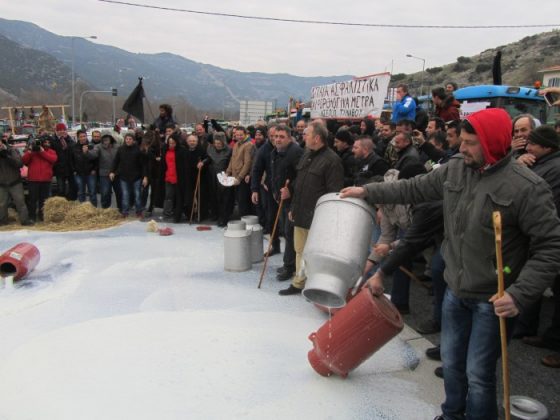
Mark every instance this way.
x=40 y=159
x=482 y=179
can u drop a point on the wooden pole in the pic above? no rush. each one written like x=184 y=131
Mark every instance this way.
x=197 y=186
x=272 y=236
x=497 y=220
x=411 y=275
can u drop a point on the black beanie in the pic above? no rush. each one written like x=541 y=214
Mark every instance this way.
x=545 y=136
x=411 y=170
x=345 y=136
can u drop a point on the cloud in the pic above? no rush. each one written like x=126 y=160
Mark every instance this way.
x=277 y=47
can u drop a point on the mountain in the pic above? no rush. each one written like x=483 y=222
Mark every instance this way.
x=165 y=75
x=24 y=70
x=521 y=62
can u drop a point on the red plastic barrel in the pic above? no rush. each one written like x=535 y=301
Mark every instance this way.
x=357 y=331
x=19 y=260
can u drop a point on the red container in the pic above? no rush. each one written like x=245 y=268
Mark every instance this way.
x=19 y=260
x=357 y=331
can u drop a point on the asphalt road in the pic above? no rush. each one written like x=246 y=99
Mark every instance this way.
x=528 y=377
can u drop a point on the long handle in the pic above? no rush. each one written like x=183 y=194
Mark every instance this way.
x=497 y=220
x=196 y=188
x=273 y=233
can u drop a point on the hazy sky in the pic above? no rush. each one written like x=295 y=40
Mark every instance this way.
x=300 y=49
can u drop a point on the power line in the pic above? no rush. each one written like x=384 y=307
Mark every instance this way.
x=324 y=22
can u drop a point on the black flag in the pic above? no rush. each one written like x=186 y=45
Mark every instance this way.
x=497 y=68
x=134 y=104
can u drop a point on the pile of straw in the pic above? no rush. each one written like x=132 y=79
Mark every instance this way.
x=61 y=215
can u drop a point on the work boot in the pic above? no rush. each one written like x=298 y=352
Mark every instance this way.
x=434 y=353
x=285 y=274
x=290 y=291
x=428 y=327
x=535 y=341
x=552 y=360
x=27 y=222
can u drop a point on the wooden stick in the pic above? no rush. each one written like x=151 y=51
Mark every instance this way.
x=413 y=277
x=497 y=220
x=198 y=199
x=197 y=186
x=272 y=236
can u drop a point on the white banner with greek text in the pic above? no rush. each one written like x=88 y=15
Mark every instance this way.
x=356 y=98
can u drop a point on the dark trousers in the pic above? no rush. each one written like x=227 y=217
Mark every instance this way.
x=243 y=195
x=38 y=193
x=169 y=201
x=288 y=231
x=66 y=187
x=439 y=285
x=528 y=322
x=107 y=187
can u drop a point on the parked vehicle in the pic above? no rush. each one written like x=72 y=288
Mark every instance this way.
x=514 y=99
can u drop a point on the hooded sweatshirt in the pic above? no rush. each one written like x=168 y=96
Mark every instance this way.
x=493 y=128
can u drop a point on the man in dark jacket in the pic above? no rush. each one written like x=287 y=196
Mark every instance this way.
x=406 y=152
x=343 y=142
x=370 y=167
x=84 y=167
x=284 y=160
x=319 y=172
x=11 y=184
x=130 y=166
x=543 y=157
x=473 y=185
x=260 y=184
x=63 y=145
x=165 y=118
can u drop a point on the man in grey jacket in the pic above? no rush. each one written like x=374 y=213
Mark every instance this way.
x=483 y=179
x=11 y=184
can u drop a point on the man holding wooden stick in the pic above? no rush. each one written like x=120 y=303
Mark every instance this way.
x=483 y=179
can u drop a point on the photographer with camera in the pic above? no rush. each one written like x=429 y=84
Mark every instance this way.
x=11 y=184
x=40 y=159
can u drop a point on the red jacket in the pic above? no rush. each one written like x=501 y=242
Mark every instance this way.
x=39 y=165
x=449 y=109
x=171 y=172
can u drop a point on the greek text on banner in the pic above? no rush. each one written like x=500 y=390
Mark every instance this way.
x=356 y=98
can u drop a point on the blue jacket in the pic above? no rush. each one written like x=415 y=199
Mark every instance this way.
x=405 y=109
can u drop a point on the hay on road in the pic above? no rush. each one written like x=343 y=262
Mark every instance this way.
x=61 y=215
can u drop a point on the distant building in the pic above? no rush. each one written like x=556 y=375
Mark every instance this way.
x=551 y=76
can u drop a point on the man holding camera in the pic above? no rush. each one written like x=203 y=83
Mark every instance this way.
x=40 y=160
x=11 y=184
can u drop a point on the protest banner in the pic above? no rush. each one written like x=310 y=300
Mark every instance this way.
x=356 y=98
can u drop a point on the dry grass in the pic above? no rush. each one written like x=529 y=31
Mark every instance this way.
x=62 y=215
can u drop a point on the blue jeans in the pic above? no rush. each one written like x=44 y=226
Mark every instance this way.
x=106 y=187
x=129 y=189
x=439 y=285
x=91 y=182
x=470 y=348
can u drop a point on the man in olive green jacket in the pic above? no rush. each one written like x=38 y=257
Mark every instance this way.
x=319 y=172
x=483 y=179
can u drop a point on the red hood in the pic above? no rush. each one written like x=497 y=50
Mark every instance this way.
x=493 y=128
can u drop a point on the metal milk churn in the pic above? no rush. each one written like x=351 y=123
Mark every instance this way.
x=256 y=230
x=336 y=248
x=237 y=247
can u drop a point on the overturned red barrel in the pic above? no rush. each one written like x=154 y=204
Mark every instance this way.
x=357 y=331
x=19 y=260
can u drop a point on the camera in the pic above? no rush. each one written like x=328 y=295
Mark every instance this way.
x=36 y=145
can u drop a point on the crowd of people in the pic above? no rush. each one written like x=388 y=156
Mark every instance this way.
x=433 y=179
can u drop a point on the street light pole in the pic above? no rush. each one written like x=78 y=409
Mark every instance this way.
x=422 y=75
x=72 y=38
